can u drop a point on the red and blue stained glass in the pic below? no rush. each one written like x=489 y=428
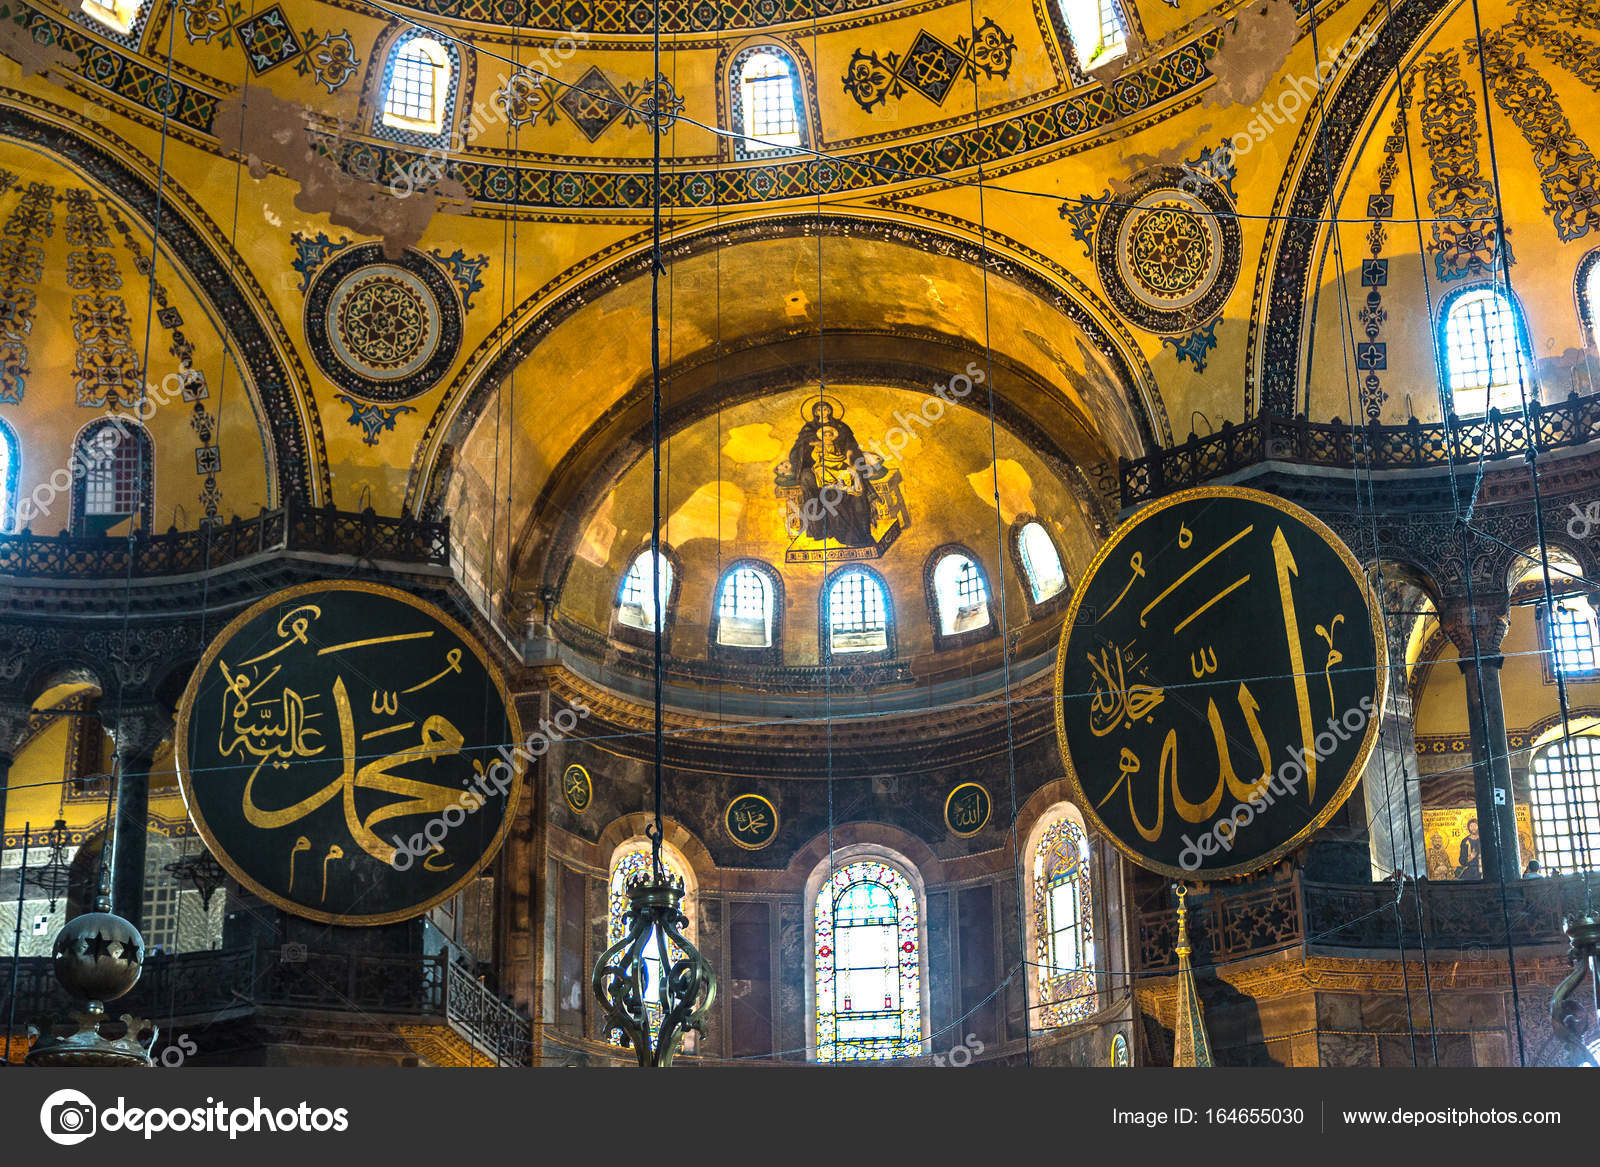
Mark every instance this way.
x=1063 y=924
x=869 y=965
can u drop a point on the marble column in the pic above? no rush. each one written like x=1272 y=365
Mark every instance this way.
x=1480 y=628
x=136 y=731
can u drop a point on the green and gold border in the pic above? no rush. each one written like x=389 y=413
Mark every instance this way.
x=180 y=749
x=1374 y=723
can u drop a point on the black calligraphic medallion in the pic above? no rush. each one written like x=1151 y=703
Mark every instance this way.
x=967 y=809
x=346 y=752
x=752 y=821
x=577 y=787
x=1220 y=682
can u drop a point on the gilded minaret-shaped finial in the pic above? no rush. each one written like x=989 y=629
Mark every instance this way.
x=1191 y=1046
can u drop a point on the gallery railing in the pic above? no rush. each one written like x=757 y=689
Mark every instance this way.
x=296 y=527
x=193 y=983
x=1274 y=438
x=1230 y=924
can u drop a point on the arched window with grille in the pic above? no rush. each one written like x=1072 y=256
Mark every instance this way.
x=746 y=608
x=1564 y=786
x=1098 y=31
x=113 y=478
x=856 y=615
x=419 y=85
x=867 y=949
x=119 y=16
x=1041 y=562
x=1486 y=362
x=631 y=860
x=10 y=466
x=768 y=113
x=636 y=599
x=1062 y=920
x=960 y=595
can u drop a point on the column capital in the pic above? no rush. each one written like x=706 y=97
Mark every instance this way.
x=1480 y=624
x=136 y=729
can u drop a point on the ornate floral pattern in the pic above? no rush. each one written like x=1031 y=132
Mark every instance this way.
x=930 y=66
x=383 y=331
x=1465 y=240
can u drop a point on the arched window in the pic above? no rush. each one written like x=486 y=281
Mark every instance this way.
x=745 y=609
x=117 y=15
x=1485 y=359
x=629 y=861
x=767 y=112
x=960 y=596
x=113 y=479
x=1063 y=921
x=417 y=84
x=636 y=602
x=1098 y=32
x=1589 y=296
x=1565 y=786
x=1571 y=636
x=1041 y=563
x=857 y=613
x=868 y=951
x=10 y=464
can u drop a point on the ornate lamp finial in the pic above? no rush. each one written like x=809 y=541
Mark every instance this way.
x=655 y=1018
x=1577 y=1024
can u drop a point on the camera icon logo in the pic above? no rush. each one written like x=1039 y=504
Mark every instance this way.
x=68 y=1117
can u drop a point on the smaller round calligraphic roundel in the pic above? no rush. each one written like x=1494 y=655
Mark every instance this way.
x=349 y=753
x=1220 y=682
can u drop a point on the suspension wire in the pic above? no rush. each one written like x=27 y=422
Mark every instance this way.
x=1018 y=868
x=655 y=438
x=1447 y=411
x=1364 y=499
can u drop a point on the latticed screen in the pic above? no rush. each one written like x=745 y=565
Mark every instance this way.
x=413 y=84
x=1112 y=36
x=1571 y=628
x=768 y=94
x=1482 y=351
x=857 y=617
x=160 y=922
x=111 y=478
x=1566 y=809
x=744 y=614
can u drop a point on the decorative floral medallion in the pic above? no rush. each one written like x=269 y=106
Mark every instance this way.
x=383 y=330
x=1168 y=253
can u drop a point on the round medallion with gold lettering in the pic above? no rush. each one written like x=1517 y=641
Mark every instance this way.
x=578 y=788
x=967 y=809
x=349 y=753
x=751 y=821
x=1220 y=682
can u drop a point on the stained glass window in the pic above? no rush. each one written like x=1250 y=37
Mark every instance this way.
x=744 y=613
x=1040 y=562
x=1566 y=805
x=636 y=605
x=1063 y=922
x=869 y=965
x=632 y=860
x=959 y=591
x=1483 y=352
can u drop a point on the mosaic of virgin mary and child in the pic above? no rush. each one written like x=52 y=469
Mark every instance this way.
x=839 y=497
